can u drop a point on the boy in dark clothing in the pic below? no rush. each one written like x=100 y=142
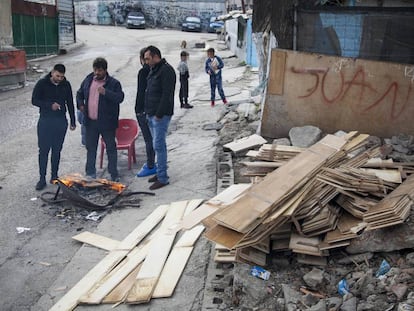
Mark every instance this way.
x=53 y=95
x=184 y=75
x=149 y=168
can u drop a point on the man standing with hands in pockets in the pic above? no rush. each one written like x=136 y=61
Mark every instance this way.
x=159 y=107
x=53 y=95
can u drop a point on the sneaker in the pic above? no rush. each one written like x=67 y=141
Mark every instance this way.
x=212 y=103
x=157 y=185
x=225 y=101
x=145 y=171
x=53 y=180
x=41 y=184
x=153 y=179
x=187 y=106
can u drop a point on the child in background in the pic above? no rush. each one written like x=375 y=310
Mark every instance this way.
x=213 y=67
x=184 y=75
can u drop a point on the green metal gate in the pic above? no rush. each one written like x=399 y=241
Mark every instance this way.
x=35 y=28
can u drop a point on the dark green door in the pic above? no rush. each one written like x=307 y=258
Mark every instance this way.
x=37 y=35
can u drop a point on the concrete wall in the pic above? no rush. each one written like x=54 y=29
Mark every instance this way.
x=169 y=13
x=6 y=33
x=336 y=93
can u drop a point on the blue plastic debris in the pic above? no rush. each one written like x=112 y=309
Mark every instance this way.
x=260 y=272
x=343 y=287
x=384 y=268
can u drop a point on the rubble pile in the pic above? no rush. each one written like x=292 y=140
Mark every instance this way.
x=349 y=278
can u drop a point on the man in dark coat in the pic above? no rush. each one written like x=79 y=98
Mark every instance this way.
x=99 y=97
x=53 y=95
x=159 y=107
x=149 y=167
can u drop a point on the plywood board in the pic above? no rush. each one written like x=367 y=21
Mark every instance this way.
x=96 y=240
x=277 y=72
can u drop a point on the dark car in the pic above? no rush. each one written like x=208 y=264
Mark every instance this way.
x=191 y=23
x=215 y=25
x=135 y=20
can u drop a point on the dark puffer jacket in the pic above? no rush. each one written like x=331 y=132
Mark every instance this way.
x=108 y=106
x=159 y=96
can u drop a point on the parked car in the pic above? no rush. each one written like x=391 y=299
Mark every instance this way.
x=135 y=20
x=191 y=23
x=215 y=25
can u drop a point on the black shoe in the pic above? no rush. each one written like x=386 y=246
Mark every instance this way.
x=157 y=185
x=115 y=179
x=153 y=179
x=188 y=106
x=41 y=184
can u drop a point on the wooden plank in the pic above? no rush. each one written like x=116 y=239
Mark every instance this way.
x=176 y=263
x=224 y=236
x=259 y=199
x=70 y=300
x=277 y=73
x=96 y=240
x=245 y=143
x=120 y=292
x=149 y=274
x=227 y=196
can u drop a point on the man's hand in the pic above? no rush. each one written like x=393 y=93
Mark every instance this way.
x=101 y=90
x=55 y=106
x=82 y=108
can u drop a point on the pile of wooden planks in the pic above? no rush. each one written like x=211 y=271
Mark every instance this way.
x=319 y=199
x=145 y=265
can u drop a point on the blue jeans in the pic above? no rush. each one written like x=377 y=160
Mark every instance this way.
x=92 y=139
x=159 y=130
x=146 y=133
x=216 y=81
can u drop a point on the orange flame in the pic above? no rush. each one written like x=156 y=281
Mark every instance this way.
x=72 y=179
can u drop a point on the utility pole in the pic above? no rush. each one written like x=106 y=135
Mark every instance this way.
x=243 y=7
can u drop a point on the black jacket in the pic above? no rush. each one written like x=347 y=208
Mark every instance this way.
x=159 y=96
x=108 y=106
x=45 y=93
x=141 y=87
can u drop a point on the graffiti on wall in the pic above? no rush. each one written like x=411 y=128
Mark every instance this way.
x=335 y=89
x=157 y=13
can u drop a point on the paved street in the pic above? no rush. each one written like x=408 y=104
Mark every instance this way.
x=40 y=265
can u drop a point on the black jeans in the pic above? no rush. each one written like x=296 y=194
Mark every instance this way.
x=92 y=140
x=183 y=91
x=51 y=133
x=146 y=133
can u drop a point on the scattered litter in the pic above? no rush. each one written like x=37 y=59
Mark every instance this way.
x=22 y=229
x=384 y=268
x=44 y=263
x=93 y=216
x=260 y=272
x=343 y=288
x=60 y=288
x=33 y=199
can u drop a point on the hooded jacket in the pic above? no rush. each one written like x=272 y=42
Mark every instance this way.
x=159 y=95
x=108 y=105
x=45 y=93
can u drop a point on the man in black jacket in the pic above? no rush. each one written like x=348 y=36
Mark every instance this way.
x=159 y=107
x=53 y=95
x=149 y=167
x=98 y=98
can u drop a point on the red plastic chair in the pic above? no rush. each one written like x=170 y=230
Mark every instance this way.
x=126 y=135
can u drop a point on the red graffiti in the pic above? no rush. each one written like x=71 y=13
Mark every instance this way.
x=357 y=83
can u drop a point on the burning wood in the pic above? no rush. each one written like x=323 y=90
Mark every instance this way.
x=94 y=193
